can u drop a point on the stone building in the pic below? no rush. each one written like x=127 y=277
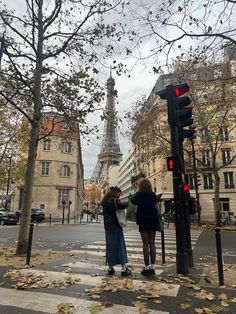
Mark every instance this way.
x=58 y=171
x=213 y=90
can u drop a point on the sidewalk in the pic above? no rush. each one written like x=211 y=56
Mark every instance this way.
x=82 y=282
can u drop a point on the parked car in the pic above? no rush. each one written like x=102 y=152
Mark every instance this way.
x=36 y=215
x=8 y=218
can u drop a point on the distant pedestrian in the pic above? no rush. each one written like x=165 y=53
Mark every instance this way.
x=147 y=220
x=115 y=242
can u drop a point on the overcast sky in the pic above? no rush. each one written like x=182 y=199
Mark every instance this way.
x=129 y=89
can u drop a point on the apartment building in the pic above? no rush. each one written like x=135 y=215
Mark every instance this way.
x=213 y=90
x=125 y=173
x=58 y=180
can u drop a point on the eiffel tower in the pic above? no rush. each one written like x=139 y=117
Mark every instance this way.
x=110 y=153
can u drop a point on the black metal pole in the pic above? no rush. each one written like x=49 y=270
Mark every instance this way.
x=50 y=219
x=219 y=257
x=163 y=247
x=185 y=210
x=182 y=263
x=68 y=218
x=63 y=213
x=29 y=244
x=196 y=182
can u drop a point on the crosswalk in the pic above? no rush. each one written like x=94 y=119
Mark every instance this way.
x=83 y=281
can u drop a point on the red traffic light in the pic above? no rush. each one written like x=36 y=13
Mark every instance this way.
x=181 y=89
x=173 y=163
x=185 y=187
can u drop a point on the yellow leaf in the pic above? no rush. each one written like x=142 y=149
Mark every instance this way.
x=223 y=296
x=233 y=300
x=184 y=306
x=198 y=310
x=224 y=303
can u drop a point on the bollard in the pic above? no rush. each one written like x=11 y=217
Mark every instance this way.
x=219 y=257
x=163 y=247
x=29 y=244
x=50 y=219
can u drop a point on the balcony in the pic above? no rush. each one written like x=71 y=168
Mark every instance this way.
x=137 y=177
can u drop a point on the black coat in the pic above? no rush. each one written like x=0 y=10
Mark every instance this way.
x=146 y=214
x=109 y=210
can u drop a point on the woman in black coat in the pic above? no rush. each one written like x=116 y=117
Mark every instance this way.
x=147 y=220
x=115 y=242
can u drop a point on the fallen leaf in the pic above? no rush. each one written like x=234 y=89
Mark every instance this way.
x=224 y=303
x=184 y=306
x=95 y=308
x=223 y=296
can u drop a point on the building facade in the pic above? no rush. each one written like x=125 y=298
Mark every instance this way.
x=58 y=181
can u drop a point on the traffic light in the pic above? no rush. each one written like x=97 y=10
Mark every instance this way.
x=197 y=180
x=185 y=187
x=179 y=109
x=173 y=163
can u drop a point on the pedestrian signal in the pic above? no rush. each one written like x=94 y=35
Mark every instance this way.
x=173 y=163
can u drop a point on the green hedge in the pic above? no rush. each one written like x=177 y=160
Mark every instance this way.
x=130 y=213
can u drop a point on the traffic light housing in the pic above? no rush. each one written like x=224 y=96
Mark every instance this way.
x=197 y=180
x=179 y=109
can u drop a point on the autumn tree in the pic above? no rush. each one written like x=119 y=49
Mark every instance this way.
x=92 y=196
x=53 y=45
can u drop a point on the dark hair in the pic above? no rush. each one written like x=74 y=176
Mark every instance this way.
x=106 y=198
x=115 y=189
x=145 y=186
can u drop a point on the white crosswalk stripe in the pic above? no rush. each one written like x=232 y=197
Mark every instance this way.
x=88 y=270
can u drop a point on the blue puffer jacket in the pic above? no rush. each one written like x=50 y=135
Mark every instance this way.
x=146 y=214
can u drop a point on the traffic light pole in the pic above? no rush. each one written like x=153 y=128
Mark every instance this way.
x=186 y=211
x=196 y=182
x=182 y=263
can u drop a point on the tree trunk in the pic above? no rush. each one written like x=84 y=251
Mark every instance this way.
x=27 y=192
x=33 y=144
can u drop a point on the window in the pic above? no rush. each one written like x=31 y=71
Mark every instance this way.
x=153 y=166
x=66 y=147
x=225 y=155
x=63 y=195
x=229 y=180
x=203 y=135
x=224 y=204
x=208 y=181
x=206 y=158
x=191 y=181
x=45 y=168
x=65 y=171
x=224 y=134
x=65 y=125
x=46 y=144
x=155 y=185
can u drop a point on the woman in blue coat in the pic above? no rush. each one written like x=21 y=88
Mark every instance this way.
x=147 y=220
